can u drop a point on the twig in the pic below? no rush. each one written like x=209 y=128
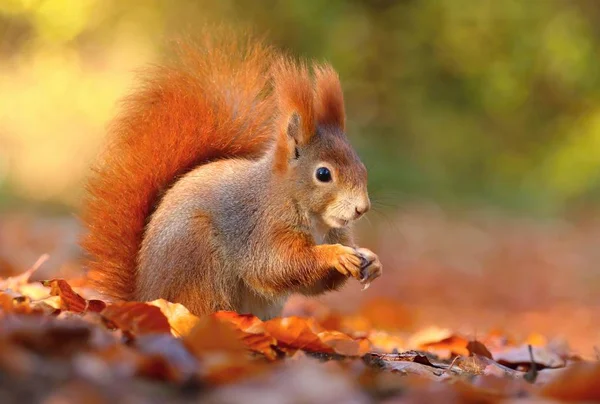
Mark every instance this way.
x=532 y=373
x=452 y=364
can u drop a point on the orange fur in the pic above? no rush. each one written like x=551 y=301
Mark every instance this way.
x=206 y=105
x=329 y=97
x=295 y=97
x=221 y=99
x=294 y=91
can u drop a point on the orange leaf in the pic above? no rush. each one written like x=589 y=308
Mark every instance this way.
x=300 y=333
x=477 y=348
x=520 y=356
x=70 y=300
x=297 y=333
x=180 y=319
x=137 y=318
x=439 y=340
x=252 y=332
x=245 y=322
x=342 y=344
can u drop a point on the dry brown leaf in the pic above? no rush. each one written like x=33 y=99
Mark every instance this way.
x=481 y=365
x=383 y=360
x=344 y=345
x=415 y=368
x=210 y=335
x=477 y=348
x=70 y=300
x=180 y=319
x=245 y=322
x=297 y=333
x=441 y=341
x=223 y=355
x=251 y=331
x=136 y=318
x=519 y=356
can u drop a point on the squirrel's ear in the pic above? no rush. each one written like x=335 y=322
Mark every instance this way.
x=288 y=141
x=294 y=94
x=294 y=128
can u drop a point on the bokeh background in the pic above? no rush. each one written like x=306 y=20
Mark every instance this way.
x=479 y=121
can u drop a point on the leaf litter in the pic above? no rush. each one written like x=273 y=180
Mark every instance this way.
x=56 y=345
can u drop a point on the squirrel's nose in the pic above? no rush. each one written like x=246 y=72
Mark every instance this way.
x=361 y=209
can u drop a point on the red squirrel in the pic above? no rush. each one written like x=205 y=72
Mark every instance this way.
x=228 y=183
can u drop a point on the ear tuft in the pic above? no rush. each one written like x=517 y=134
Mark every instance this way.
x=295 y=98
x=329 y=97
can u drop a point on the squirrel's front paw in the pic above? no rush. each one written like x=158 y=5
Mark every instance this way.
x=348 y=261
x=371 y=268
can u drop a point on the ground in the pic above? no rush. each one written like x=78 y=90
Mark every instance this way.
x=470 y=306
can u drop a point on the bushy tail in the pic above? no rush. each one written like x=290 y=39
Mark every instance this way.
x=206 y=104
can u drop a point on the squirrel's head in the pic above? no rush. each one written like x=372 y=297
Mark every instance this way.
x=329 y=180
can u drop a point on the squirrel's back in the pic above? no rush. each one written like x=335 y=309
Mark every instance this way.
x=208 y=103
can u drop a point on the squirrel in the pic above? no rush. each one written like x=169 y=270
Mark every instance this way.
x=228 y=183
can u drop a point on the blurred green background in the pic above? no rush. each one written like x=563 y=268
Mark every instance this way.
x=464 y=102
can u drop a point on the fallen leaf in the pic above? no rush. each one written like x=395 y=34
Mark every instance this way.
x=342 y=344
x=439 y=340
x=251 y=331
x=382 y=360
x=477 y=348
x=297 y=333
x=180 y=319
x=210 y=335
x=481 y=365
x=414 y=368
x=136 y=318
x=70 y=300
x=245 y=322
x=519 y=356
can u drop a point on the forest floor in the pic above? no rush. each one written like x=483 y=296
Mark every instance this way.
x=471 y=307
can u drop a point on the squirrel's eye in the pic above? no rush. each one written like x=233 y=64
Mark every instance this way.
x=323 y=174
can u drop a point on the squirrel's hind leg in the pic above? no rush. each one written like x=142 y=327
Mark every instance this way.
x=181 y=264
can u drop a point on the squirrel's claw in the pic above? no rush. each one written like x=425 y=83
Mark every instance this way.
x=370 y=267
